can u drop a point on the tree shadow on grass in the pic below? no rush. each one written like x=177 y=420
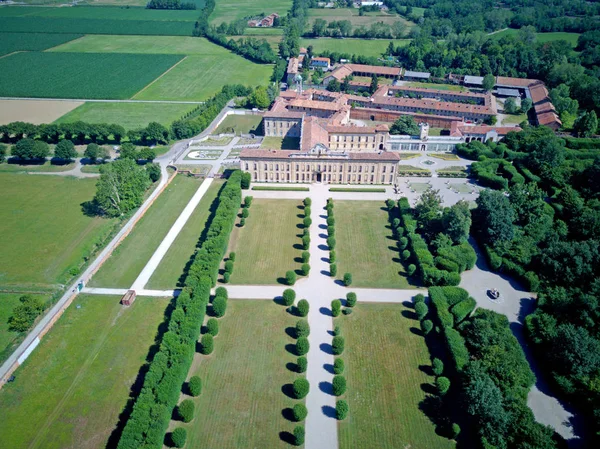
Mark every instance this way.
x=408 y=304
x=416 y=331
x=298 y=246
x=291 y=348
x=291 y=332
x=409 y=315
x=288 y=413
x=288 y=390
x=287 y=437
x=91 y=208
x=428 y=388
x=426 y=369
x=292 y=367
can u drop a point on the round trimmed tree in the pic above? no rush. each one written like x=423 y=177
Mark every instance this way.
x=300 y=412
x=207 y=344
x=338 y=366
x=339 y=385
x=300 y=388
x=411 y=269
x=212 y=327
x=178 y=437
x=333 y=270
x=341 y=409
x=298 y=435
x=301 y=364
x=426 y=326
x=332 y=256
x=351 y=299
x=347 y=279
x=305 y=269
x=443 y=385
x=421 y=310
x=336 y=307
x=331 y=242
x=219 y=306
x=289 y=296
x=185 y=410
x=305 y=256
x=419 y=298
x=303 y=307
x=337 y=345
x=302 y=328
x=290 y=278
x=302 y=346
x=437 y=367
x=195 y=386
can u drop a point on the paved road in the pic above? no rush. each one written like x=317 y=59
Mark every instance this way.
x=75 y=171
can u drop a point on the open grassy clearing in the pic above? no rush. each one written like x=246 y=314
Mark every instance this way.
x=172 y=266
x=81 y=75
x=10 y=42
x=200 y=77
x=364 y=47
x=130 y=257
x=514 y=119
x=571 y=38
x=365 y=246
x=45 y=231
x=128 y=115
x=242 y=400
x=230 y=10
x=240 y=124
x=34 y=111
x=331 y=15
x=269 y=244
x=71 y=390
x=385 y=383
x=180 y=45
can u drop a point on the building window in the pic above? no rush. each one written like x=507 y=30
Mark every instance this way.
x=373 y=168
x=391 y=178
x=359 y=178
x=384 y=167
x=277 y=167
x=297 y=165
x=360 y=169
x=255 y=166
x=265 y=166
x=297 y=175
x=340 y=177
x=372 y=178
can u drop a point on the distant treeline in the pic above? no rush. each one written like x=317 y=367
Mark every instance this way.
x=170 y=4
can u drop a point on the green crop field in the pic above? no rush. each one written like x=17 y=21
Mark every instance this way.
x=261 y=32
x=269 y=244
x=200 y=77
x=241 y=403
x=10 y=42
x=365 y=246
x=71 y=390
x=82 y=75
x=240 y=124
x=106 y=13
x=230 y=10
x=571 y=38
x=172 y=266
x=128 y=115
x=45 y=231
x=366 y=20
x=364 y=47
x=130 y=257
x=383 y=360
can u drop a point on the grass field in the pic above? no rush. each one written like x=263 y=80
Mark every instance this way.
x=365 y=246
x=331 y=15
x=364 y=47
x=107 y=13
x=451 y=87
x=571 y=38
x=199 y=77
x=281 y=143
x=32 y=168
x=240 y=124
x=10 y=42
x=71 y=390
x=268 y=245
x=383 y=360
x=128 y=115
x=272 y=39
x=45 y=232
x=513 y=119
x=81 y=75
x=230 y=10
x=242 y=401
x=171 y=268
x=130 y=257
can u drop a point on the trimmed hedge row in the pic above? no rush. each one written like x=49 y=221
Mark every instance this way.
x=529 y=279
x=162 y=385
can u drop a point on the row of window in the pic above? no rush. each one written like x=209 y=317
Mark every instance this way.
x=336 y=138
x=306 y=177
x=311 y=167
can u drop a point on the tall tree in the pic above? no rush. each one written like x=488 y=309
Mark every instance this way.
x=456 y=221
x=65 y=150
x=121 y=187
x=405 y=125
x=374 y=84
x=489 y=81
x=494 y=216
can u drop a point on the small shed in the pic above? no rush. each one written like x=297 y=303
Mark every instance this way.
x=409 y=75
x=128 y=298
x=473 y=81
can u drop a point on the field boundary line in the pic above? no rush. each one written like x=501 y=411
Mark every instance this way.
x=13 y=53
x=49 y=50
x=156 y=79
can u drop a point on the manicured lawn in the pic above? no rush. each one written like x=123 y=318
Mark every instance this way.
x=571 y=38
x=128 y=115
x=264 y=247
x=44 y=230
x=199 y=77
x=514 y=119
x=451 y=87
x=130 y=257
x=71 y=390
x=365 y=247
x=383 y=359
x=47 y=166
x=230 y=10
x=281 y=143
x=241 y=402
x=364 y=47
x=171 y=268
x=240 y=124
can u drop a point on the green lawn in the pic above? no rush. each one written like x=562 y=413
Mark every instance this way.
x=71 y=390
x=364 y=47
x=365 y=247
x=514 y=119
x=128 y=115
x=117 y=12
x=281 y=143
x=230 y=10
x=199 y=77
x=240 y=124
x=451 y=87
x=25 y=168
x=241 y=402
x=171 y=268
x=264 y=247
x=383 y=359
x=571 y=38
x=130 y=257
x=45 y=231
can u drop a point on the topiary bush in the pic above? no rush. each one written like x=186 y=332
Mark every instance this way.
x=301 y=364
x=207 y=344
x=347 y=279
x=443 y=385
x=421 y=310
x=437 y=366
x=219 y=306
x=289 y=296
x=305 y=269
x=290 y=277
x=338 y=366
x=331 y=242
x=305 y=256
x=405 y=254
x=426 y=326
x=195 y=386
x=339 y=385
x=185 y=410
x=222 y=291
x=303 y=307
x=300 y=412
x=419 y=298
x=302 y=346
x=307 y=201
x=390 y=204
x=350 y=299
x=337 y=330
x=332 y=257
x=336 y=307
x=347 y=311
x=307 y=221
x=337 y=344
x=300 y=388
x=330 y=221
x=411 y=269
x=232 y=256
x=302 y=328
x=212 y=327
x=306 y=242
x=341 y=409
x=226 y=277
x=242 y=222
x=229 y=266
x=298 y=435
x=248 y=201
x=307 y=211
x=331 y=231
x=454 y=431
x=178 y=437
x=245 y=213
x=333 y=270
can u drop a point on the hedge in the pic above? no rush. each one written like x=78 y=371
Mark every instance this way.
x=454 y=295
x=153 y=408
x=456 y=346
x=440 y=306
x=463 y=309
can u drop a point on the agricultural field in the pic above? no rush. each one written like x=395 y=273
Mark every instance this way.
x=11 y=42
x=199 y=77
x=365 y=246
x=240 y=124
x=336 y=14
x=571 y=38
x=41 y=245
x=230 y=10
x=269 y=244
x=130 y=257
x=245 y=380
x=34 y=111
x=386 y=383
x=172 y=266
x=104 y=13
x=363 y=47
x=128 y=115
x=72 y=389
x=81 y=75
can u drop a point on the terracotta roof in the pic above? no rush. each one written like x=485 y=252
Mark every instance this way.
x=381 y=156
x=341 y=72
x=293 y=65
x=315 y=104
x=375 y=69
x=435 y=105
x=316 y=58
x=313 y=133
x=384 y=156
x=435 y=91
x=356 y=129
x=516 y=82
